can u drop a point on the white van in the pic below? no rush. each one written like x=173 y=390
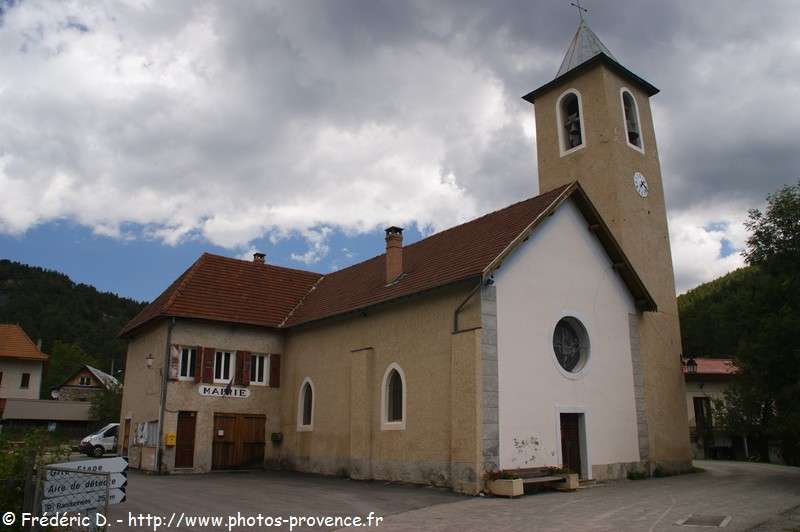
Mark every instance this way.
x=101 y=442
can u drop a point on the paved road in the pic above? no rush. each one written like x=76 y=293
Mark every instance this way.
x=268 y=493
x=751 y=494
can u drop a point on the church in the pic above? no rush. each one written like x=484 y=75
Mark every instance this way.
x=543 y=334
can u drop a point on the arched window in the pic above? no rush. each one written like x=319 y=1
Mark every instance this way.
x=305 y=406
x=569 y=113
x=393 y=399
x=630 y=111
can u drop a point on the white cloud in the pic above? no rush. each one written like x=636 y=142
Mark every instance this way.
x=318 y=246
x=231 y=122
x=707 y=241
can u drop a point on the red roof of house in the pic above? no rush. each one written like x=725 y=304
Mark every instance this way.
x=714 y=366
x=14 y=343
x=223 y=289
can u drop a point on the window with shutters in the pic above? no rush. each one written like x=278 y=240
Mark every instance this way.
x=393 y=402
x=305 y=406
x=258 y=369
x=224 y=364
x=630 y=113
x=186 y=368
x=569 y=114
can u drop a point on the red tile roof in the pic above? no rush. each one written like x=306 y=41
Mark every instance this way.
x=223 y=289
x=453 y=255
x=714 y=366
x=231 y=290
x=14 y=343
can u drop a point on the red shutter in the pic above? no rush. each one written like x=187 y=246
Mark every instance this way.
x=246 y=358
x=198 y=364
x=275 y=371
x=237 y=373
x=208 y=364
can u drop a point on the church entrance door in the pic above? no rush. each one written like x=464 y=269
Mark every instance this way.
x=571 y=442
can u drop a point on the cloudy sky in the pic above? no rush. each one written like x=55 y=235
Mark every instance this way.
x=135 y=135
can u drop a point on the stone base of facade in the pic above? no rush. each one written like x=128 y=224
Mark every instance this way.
x=460 y=477
x=622 y=470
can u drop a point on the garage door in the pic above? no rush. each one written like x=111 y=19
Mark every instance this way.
x=238 y=441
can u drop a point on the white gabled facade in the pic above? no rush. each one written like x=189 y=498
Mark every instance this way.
x=561 y=271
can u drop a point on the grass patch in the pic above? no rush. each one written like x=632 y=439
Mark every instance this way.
x=637 y=474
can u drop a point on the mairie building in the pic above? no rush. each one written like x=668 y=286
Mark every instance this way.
x=542 y=334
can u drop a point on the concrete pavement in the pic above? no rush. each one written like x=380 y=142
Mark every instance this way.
x=750 y=494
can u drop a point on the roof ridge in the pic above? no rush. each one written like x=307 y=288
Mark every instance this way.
x=244 y=261
x=301 y=301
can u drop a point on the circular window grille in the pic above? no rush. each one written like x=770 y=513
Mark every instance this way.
x=571 y=344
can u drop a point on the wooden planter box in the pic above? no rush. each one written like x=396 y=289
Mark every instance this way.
x=570 y=483
x=506 y=487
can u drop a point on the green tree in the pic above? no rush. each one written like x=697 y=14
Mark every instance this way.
x=106 y=405
x=765 y=396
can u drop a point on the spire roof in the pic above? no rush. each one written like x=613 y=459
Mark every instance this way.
x=586 y=50
x=584 y=46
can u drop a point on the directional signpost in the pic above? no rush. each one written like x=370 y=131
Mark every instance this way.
x=86 y=485
x=82 y=501
x=69 y=485
x=102 y=465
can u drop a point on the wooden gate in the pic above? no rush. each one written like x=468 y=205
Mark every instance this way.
x=571 y=442
x=184 y=446
x=238 y=441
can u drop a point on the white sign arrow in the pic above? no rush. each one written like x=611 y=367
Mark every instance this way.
x=83 y=501
x=76 y=482
x=102 y=465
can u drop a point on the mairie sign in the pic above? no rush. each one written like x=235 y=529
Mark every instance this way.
x=83 y=501
x=75 y=483
x=210 y=390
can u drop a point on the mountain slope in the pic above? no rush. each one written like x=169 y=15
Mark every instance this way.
x=715 y=315
x=51 y=307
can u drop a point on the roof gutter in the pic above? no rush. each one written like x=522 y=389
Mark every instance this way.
x=164 y=375
x=460 y=307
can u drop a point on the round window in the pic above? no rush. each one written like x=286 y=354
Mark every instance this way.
x=571 y=344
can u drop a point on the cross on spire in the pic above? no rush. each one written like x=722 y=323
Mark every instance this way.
x=581 y=9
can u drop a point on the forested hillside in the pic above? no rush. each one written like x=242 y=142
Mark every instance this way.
x=715 y=315
x=76 y=323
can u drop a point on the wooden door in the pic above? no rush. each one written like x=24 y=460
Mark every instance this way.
x=184 y=446
x=252 y=440
x=238 y=441
x=571 y=442
x=224 y=447
x=126 y=437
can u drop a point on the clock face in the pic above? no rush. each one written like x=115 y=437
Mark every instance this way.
x=640 y=184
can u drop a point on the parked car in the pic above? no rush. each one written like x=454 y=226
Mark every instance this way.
x=101 y=442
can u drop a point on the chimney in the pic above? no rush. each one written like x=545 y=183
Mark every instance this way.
x=260 y=258
x=394 y=253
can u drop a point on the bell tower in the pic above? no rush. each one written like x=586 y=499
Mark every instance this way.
x=594 y=125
